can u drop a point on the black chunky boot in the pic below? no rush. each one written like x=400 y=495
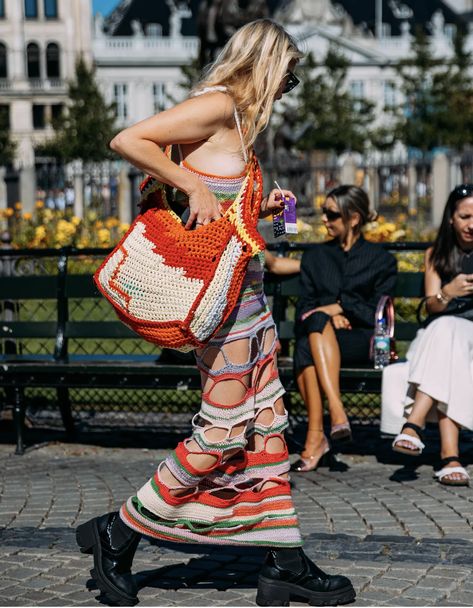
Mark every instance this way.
x=289 y=574
x=113 y=545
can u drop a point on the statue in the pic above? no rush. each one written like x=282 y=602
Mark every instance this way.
x=405 y=29
x=179 y=11
x=308 y=11
x=437 y=24
x=98 y=25
x=137 y=28
x=217 y=20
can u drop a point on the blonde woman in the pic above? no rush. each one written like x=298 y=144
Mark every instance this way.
x=228 y=482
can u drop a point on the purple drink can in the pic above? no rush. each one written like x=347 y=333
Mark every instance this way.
x=285 y=222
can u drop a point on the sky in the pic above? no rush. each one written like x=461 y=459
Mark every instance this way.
x=103 y=6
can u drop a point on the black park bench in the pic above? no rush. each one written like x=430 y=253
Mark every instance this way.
x=50 y=310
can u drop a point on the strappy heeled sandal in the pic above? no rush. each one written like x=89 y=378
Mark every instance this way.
x=444 y=472
x=306 y=464
x=415 y=441
x=341 y=432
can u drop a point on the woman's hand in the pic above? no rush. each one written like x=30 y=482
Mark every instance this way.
x=204 y=207
x=341 y=322
x=330 y=309
x=274 y=202
x=460 y=286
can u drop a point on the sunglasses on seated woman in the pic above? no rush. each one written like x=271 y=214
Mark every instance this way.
x=291 y=82
x=331 y=215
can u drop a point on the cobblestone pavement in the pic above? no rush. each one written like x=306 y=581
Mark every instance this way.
x=403 y=539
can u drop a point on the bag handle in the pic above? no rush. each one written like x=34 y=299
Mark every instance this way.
x=385 y=310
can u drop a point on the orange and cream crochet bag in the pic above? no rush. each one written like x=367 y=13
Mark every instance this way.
x=176 y=287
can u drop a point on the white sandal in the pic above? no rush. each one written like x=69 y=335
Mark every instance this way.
x=446 y=471
x=415 y=441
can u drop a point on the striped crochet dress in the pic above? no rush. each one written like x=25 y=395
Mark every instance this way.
x=243 y=496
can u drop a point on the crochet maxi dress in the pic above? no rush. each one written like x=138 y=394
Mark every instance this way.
x=243 y=497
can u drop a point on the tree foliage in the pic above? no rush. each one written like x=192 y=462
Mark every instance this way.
x=437 y=106
x=7 y=146
x=340 y=121
x=85 y=129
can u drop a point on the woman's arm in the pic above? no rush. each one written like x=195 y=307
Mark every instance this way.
x=191 y=121
x=281 y=265
x=438 y=297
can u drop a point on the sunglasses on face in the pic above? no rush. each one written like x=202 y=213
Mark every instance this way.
x=331 y=215
x=463 y=190
x=291 y=82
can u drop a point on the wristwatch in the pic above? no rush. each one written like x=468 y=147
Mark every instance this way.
x=441 y=298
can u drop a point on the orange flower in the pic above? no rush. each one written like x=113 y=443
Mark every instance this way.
x=27 y=216
x=39 y=204
x=18 y=205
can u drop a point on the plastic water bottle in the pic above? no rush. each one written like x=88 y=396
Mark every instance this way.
x=382 y=345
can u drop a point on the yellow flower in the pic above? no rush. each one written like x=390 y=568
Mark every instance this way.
x=27 y=216
x=99 y=225
x=39 y=204
x=48 y=215
x=18 y=205
x=111 y=222
x=124 y=227
x=75 y=220
x=40 y=233
x=103 y=236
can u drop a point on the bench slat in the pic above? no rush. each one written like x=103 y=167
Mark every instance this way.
x=28 y=288
x=98 y=329
x=81 y=286
x=28 y=329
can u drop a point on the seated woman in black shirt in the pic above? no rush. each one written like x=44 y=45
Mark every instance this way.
x=342 y=281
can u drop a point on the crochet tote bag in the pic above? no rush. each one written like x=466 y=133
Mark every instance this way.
x=176 y=287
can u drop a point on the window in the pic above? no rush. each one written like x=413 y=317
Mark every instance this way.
x=32 y=60
x=390 y=97
x=52 y=60
x=56 y=111
x=3 y=61
x=50 y=9
x=120 y=97
x=2 y=9
x=4 y=116
x=39 y=121
x=159 y=97
x=31 y=9
x=357 y=90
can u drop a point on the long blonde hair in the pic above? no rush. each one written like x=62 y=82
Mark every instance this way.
x=252 y=66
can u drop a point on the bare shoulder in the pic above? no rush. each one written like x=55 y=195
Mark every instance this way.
x=214 y=106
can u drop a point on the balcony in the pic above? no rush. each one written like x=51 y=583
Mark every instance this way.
x=46 y=84
x=145 y=50
x=5 y=84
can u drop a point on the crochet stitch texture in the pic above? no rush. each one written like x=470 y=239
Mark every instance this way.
x=176 y=287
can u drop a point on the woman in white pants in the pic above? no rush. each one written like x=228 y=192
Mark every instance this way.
x=440 y=360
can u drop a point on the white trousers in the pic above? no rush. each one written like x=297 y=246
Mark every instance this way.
x=440 y=364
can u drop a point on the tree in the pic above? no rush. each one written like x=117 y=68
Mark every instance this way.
x=340 y=121
x=7 y=146
x=437 y=106
x=85 y=129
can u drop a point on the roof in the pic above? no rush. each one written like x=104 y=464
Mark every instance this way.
x=394 y=13
x=118 y=23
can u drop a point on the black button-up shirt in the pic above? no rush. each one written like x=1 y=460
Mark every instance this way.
x=356 y=279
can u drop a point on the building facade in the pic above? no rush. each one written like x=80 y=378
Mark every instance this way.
x=40 y=41
x=139 y=51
